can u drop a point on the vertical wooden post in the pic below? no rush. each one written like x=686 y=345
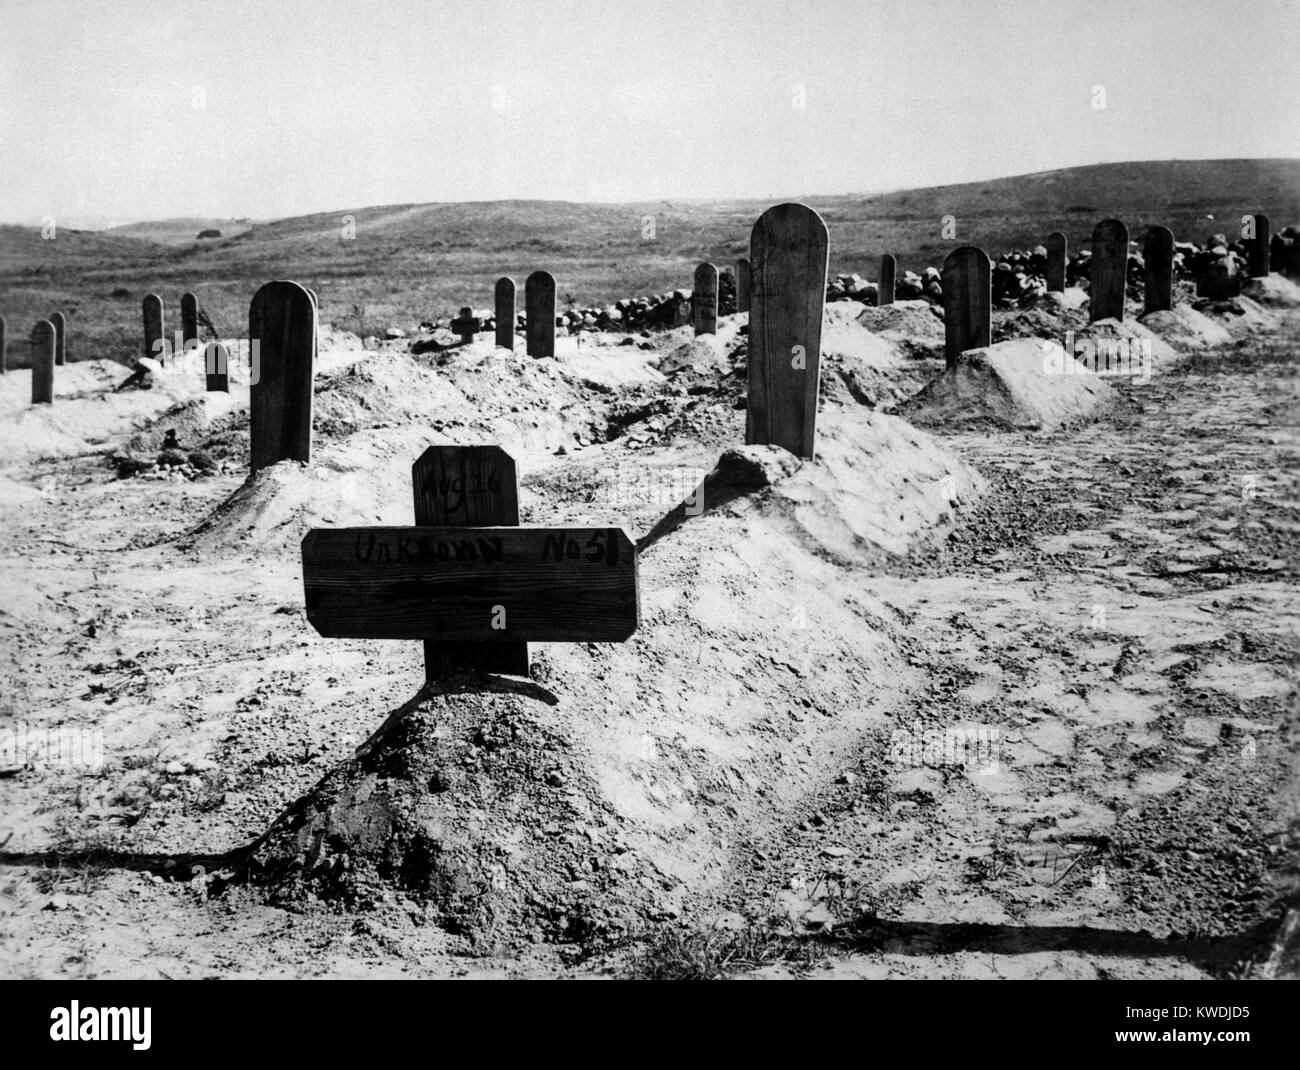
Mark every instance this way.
x=504 y=310
x=60 y=322
x=1109 y=271
x=967 y=281
x=189 y=320
x=1257 y=248
x=1057 y=247
x=742 y=284
x=789 y=254
x=539 y=308
x=704 y=299
x=152 y=307
x=888 y=276
x=1158 y=270
x=282 y=342
x=42 y=340
x=468 y=486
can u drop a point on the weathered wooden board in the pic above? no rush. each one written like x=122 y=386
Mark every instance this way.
x=60 y=322
x=704 y=299
x=1057 y=247
x=505 y=312
x=967 y=281
x=1109 y=270
x=471 y=486
x=282 y=322
x=789 y=251
x=539 y=312
x=742 y=284
x=450 y=583
x=1158 y=270
x=189 y=319
x=42 y=342
x=888 y=279
x=152 y=308
x=1257 y=248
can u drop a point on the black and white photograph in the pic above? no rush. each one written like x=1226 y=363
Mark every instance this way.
x=560 y=490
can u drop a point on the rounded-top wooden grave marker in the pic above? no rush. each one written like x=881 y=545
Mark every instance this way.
x=1257 y=247
x=789 y=256
x=539 y=311
x=282 y=343
x=60 y=322
x=1109 y=271
x=704 y=299
x=42 y=341
x=504 y=311
x=1158 y=270
x=967 y=281
x=152 y=308
x=189 y=319
x=888 y=274
x=1057 y=247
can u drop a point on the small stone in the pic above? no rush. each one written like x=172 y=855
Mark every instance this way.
x=835 y=852
x=174 y=768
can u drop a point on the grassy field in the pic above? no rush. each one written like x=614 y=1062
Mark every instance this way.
x=407 y=263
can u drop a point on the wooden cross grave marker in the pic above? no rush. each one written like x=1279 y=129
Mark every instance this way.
x=469 y=582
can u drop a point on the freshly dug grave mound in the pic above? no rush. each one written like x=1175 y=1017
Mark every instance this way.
x=1128 y=340
x=473 y=800
x=87 y=412
x=1185 y=328
x=911 y=325
x=1070 y=299
x=1023 y=385
x=364 y=481
x=859 y=366
x=626 y=779
x=191 y=420
x=1272 y=291
x=1240 y=315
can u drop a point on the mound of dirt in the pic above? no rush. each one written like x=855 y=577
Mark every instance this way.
x=626 y=776
x=1110 y=336
x=474 y=801
x=1070 y=299
x=1185 y=328
x=859 y=366
x=1240 y=315
x=85 y=414
x=368 y=482
x=702 y=355
x=1024 y=384
x=912 y=325
x=191 y=420
x=1272 y=291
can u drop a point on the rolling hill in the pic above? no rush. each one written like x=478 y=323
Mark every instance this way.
x=399 y=264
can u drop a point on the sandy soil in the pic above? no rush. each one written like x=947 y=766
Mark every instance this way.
x=938 y=704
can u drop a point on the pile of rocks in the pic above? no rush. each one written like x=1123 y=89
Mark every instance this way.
x=1019 y=280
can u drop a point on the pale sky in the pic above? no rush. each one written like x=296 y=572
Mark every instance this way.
x=144 y=109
